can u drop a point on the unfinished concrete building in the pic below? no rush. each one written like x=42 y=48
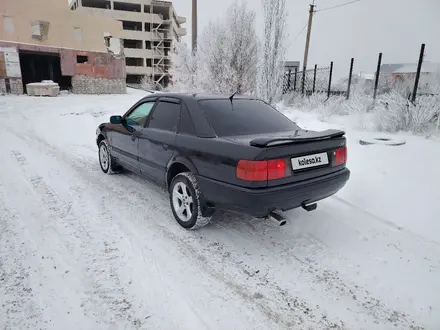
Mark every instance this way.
x=150 y=28
x=45 y=40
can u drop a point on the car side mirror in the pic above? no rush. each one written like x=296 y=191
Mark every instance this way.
x=116 y=120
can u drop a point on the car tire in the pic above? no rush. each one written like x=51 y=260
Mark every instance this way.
x=185 y=201
x=106 y=161
x=382 y=141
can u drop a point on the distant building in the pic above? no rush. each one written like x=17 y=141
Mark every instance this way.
x=405 y=72
x=291 y=66
x=367 y=76
x=45 y=40
x=150 y=30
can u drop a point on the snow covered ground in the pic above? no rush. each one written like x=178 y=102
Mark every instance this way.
x=84 y=250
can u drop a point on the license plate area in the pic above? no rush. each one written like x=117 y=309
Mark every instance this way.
x=309 y=161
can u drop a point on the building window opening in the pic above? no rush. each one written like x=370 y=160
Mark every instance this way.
x=101 y=4
x=124 y=6
x=132 y=26
x=133 y=61
x=162 y=11
x=134 y=79
x=133 y=44
x=81 y=59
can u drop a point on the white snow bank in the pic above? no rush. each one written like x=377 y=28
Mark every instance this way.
x=400 y=184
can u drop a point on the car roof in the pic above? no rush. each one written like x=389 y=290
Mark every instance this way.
x=199 y=96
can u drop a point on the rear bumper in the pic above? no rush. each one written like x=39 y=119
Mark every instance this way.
x=260 y=202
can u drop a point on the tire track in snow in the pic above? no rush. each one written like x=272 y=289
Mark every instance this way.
x=386 y=222
x=330 y=281
x=100 y=255
x=18 y=309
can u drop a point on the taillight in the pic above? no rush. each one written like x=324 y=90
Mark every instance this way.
x=340 y=156
x=276 y=169
x=262 y=170
x=252 y=170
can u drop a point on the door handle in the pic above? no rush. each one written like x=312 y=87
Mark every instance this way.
x=165 y=146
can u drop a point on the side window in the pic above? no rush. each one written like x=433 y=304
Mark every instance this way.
x=165 y=116
x=186 y=125
x=139 y=115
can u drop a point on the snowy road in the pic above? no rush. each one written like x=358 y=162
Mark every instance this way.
x=83 y=250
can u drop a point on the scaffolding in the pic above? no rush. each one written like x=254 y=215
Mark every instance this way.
x=161 y=47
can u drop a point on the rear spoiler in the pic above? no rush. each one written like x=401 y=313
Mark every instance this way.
x=299 y=137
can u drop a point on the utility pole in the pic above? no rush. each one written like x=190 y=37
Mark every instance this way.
x=194 y=25
x=309 y=31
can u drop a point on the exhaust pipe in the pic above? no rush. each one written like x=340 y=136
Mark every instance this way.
x=309 y=207
x=277 y=218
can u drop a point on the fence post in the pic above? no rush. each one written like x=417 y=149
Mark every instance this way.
x=288 y=81
x=419 y=68
x=376 y=82
x=303 y=81
x=330 y=80
x=294 y=81
x=314 y=79
x=349 y=78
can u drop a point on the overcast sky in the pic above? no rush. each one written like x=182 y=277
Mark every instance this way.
x=361 y=30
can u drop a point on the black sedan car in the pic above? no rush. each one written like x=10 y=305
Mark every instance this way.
x=219 y=152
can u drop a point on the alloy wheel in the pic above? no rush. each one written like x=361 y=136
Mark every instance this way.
x=183 y=202
x=104 y=157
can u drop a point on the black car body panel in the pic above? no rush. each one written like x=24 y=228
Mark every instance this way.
x=155 y=150
x=260 y=202
x=192 y=142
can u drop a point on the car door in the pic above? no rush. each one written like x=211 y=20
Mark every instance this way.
x=124 y=138
x=156 y=142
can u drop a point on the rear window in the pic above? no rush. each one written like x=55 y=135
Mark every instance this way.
x=244 y=117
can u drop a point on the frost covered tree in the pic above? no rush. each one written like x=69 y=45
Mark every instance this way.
x=274 y=49
x=226 y=59
x=184 y=69
x=228 y=51
x=147 y=82
x=213 y=57
x=243 y=43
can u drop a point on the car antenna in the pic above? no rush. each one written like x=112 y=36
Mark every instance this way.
x=232 y=96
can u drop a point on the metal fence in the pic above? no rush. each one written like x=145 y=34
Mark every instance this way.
x=320 y=80
x=314 y=81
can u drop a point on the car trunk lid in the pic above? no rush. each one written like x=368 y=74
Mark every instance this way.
x=307 y=154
